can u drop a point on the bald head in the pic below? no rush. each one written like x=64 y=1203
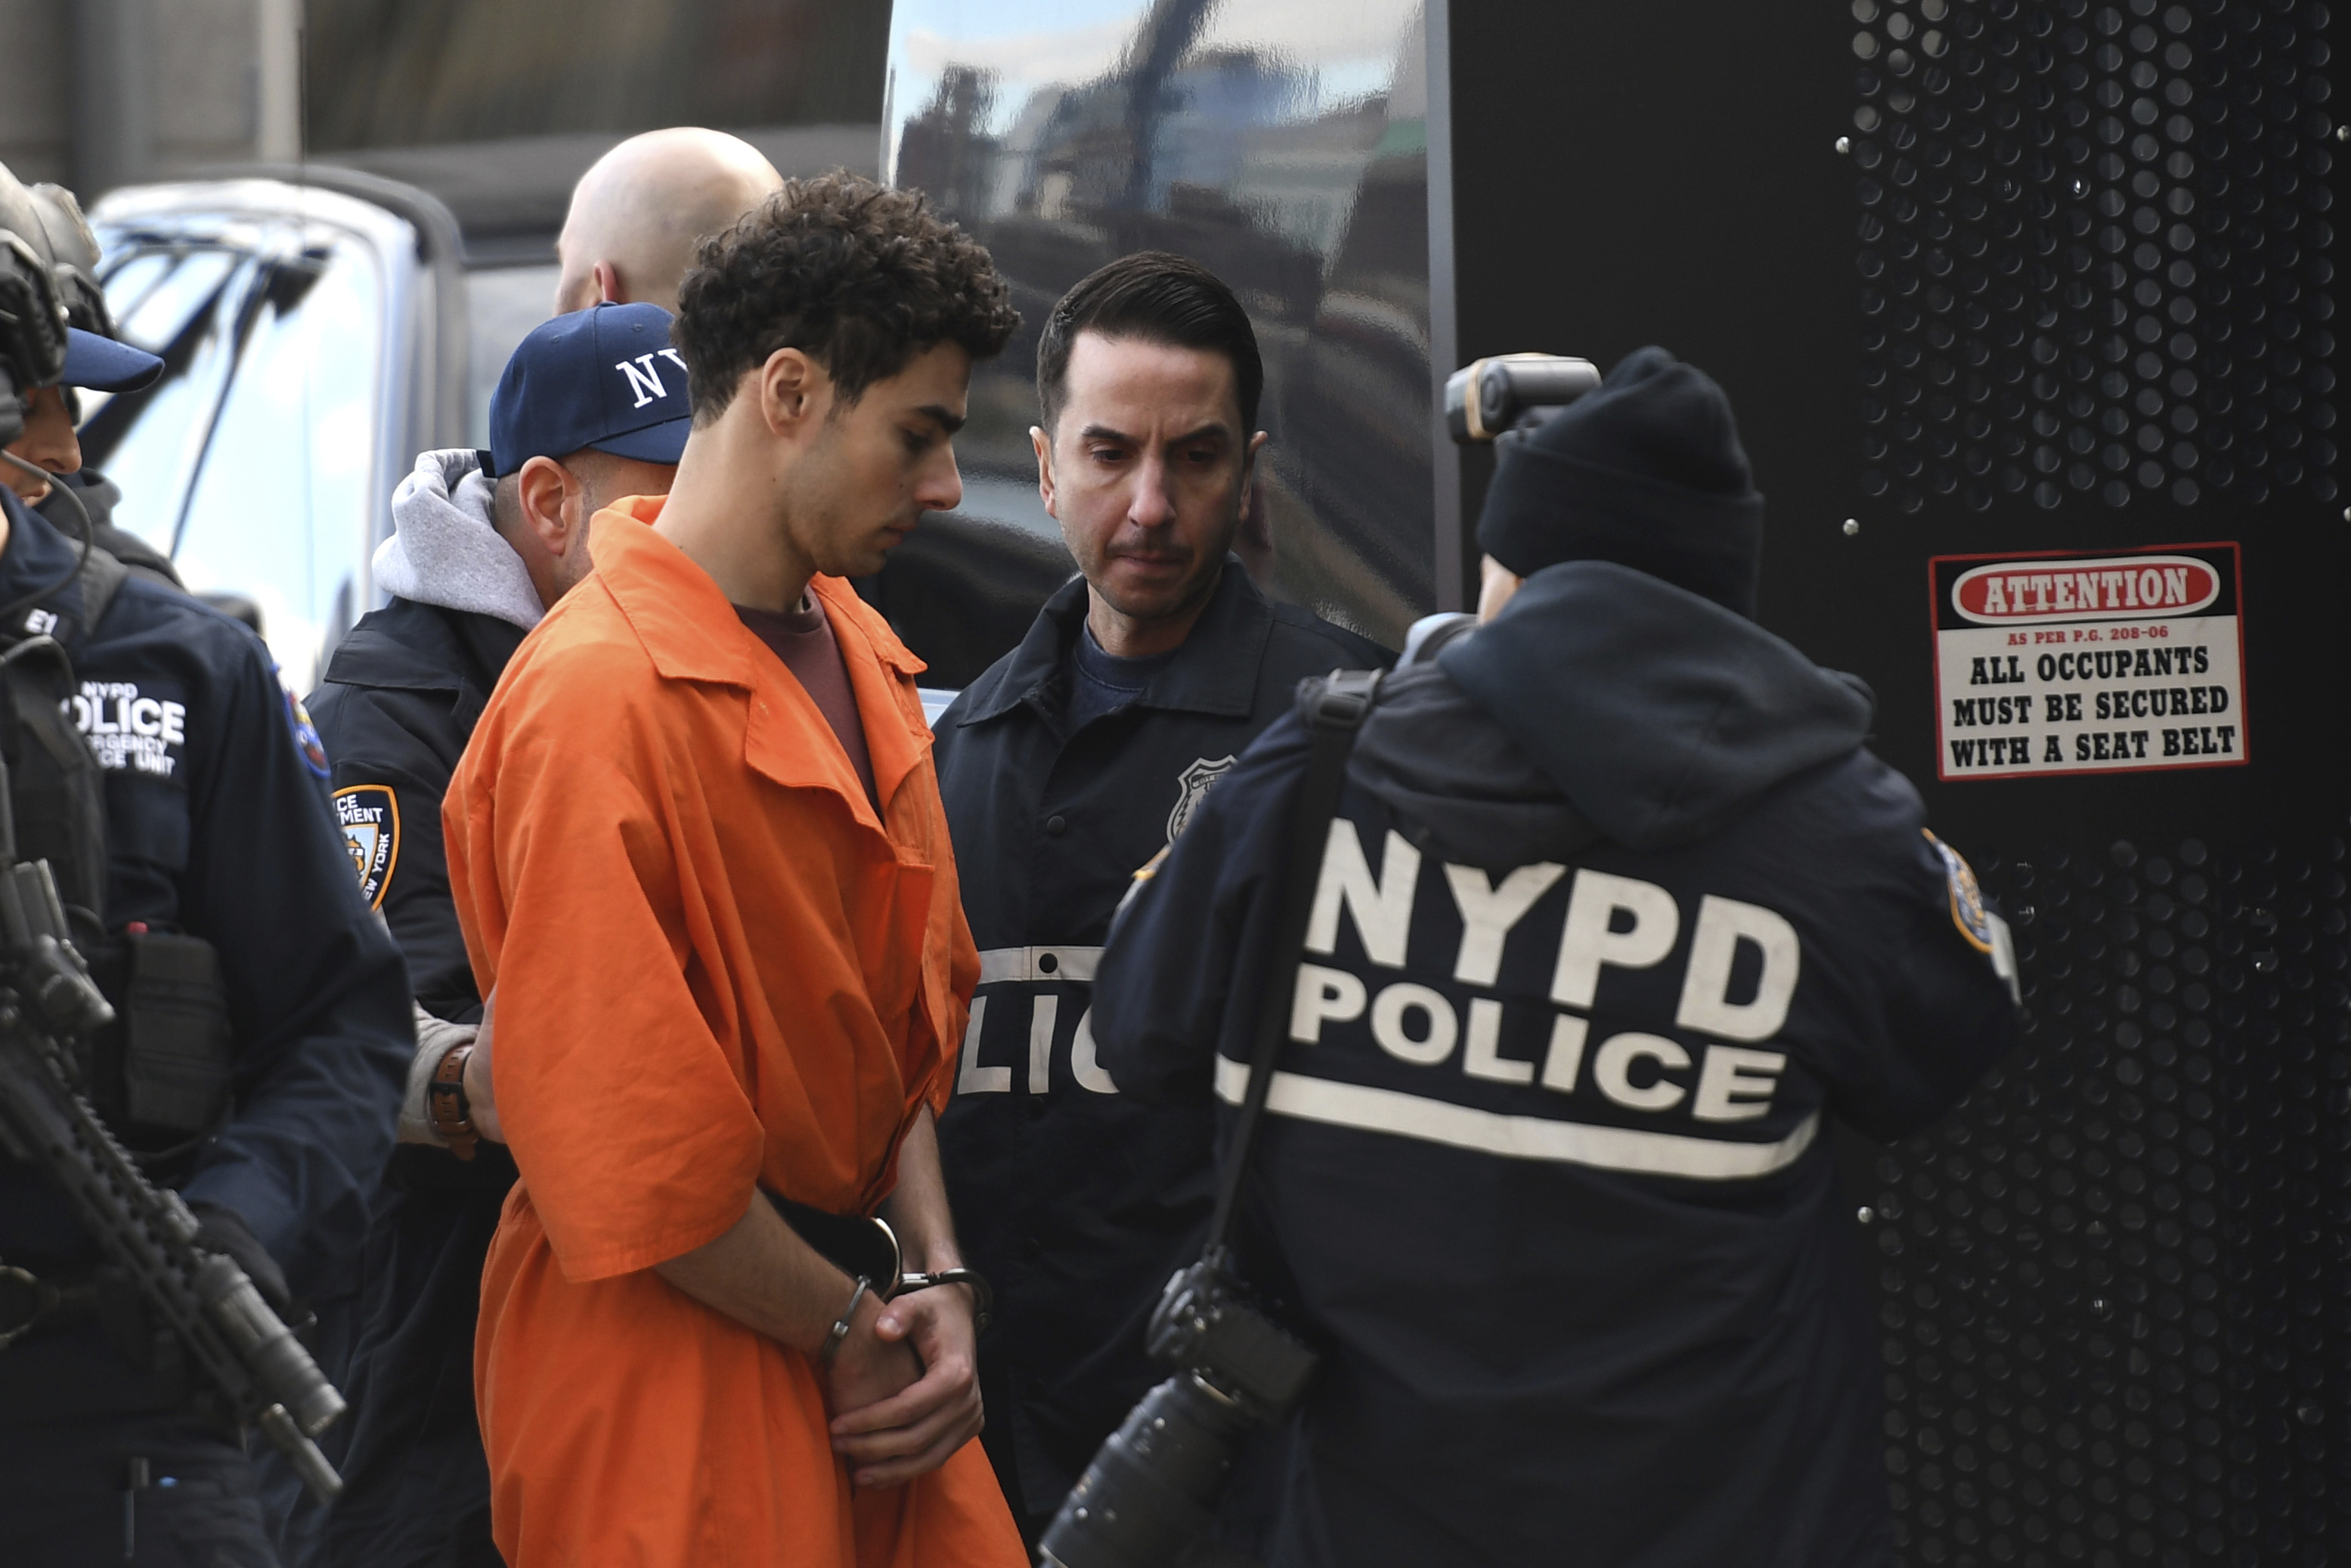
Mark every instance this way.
x=636 y=215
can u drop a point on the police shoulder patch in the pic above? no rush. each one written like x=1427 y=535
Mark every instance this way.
x=306 y=735
x=1192 y=786
x=1968 y=911
x=369 y=816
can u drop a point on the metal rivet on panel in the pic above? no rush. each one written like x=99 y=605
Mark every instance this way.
x=2094 y=258
x=2105 y=1283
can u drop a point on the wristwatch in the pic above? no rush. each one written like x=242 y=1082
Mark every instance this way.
x=453 y=1116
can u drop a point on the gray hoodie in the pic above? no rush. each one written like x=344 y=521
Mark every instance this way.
x=445 y=549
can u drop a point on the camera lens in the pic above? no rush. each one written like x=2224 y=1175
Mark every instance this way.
x=1494 y=402
x=1152 y=1489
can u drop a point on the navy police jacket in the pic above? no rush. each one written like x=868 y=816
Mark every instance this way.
x=1617 y=913
x=217 y=824
x=400 y=700
x=1076 y=1202
x=399 y=703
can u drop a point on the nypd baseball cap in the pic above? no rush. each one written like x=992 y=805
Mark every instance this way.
x=605 y=378
x=102 y=364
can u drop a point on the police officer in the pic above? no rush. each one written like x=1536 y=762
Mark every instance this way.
x=258 y=1064
x=589 y=411
x=95 y=362
x=1070 y=762
x=1616 y=912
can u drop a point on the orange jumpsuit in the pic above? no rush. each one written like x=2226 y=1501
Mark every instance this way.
x=714 y=967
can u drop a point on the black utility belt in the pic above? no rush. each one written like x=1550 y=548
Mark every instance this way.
x=863 y=1246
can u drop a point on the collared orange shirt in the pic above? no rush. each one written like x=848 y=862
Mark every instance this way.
x=715 y=966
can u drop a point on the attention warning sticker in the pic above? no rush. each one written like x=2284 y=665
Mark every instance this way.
x=2057 y=664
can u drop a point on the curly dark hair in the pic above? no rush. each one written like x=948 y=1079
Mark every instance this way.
x=857 y=276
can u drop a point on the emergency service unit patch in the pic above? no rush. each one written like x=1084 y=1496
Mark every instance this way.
x=1192 y=787
x=369 y=816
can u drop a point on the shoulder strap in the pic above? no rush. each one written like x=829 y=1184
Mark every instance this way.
x=1334 y=706
x=53 y=784
x=102 y=577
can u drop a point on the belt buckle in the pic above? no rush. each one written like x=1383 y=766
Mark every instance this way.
x=23 y=1300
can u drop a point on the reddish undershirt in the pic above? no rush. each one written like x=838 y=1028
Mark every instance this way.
x=802 y=638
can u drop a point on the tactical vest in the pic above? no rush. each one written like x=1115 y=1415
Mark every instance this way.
x=160 y=1075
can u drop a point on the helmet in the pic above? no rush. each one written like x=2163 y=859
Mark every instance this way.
x=73 y=257
x=32 y=317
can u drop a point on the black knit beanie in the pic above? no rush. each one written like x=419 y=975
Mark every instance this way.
x=1646 y=470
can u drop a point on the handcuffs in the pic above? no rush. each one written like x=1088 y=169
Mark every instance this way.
x=983 y=1303
x=864 y=1248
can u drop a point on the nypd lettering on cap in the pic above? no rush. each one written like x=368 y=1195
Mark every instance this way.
x=644 y=377
x=603 y=379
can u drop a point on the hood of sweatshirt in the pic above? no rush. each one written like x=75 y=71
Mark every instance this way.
x=1602 y=703
x=444 y=549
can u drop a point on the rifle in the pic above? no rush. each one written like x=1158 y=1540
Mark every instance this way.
x=248 y=1367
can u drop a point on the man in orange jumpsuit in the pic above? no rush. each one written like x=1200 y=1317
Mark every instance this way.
x=696 y=845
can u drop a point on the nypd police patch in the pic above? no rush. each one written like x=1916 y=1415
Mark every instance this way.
x=1987 y=933
x=1968 y=911
x=368 y=815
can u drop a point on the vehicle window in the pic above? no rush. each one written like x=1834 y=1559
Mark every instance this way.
x=172 y=303
x=129 y=285
x=154 y=293
x=501 y=304
x=281 y=508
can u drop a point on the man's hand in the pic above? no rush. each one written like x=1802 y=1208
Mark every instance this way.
x=916 y=1426
x=902 y=1386
x=868 y=1369
x=224 y=1229
x=762 y=1275
x=481 y=1105
x=435 y=1037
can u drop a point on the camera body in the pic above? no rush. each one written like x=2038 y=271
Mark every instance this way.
x=1493 y=398
x=1209 y=1322
x=1152 y=1489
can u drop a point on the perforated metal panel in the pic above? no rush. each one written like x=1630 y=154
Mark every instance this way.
x=2093 y=272
x=2114 y=1288
x=2093 y=250
x=2094 y=312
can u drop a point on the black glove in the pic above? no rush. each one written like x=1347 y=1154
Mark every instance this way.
x=222 y=1230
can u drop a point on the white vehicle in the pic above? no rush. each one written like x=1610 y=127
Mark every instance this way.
x=320 y=328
